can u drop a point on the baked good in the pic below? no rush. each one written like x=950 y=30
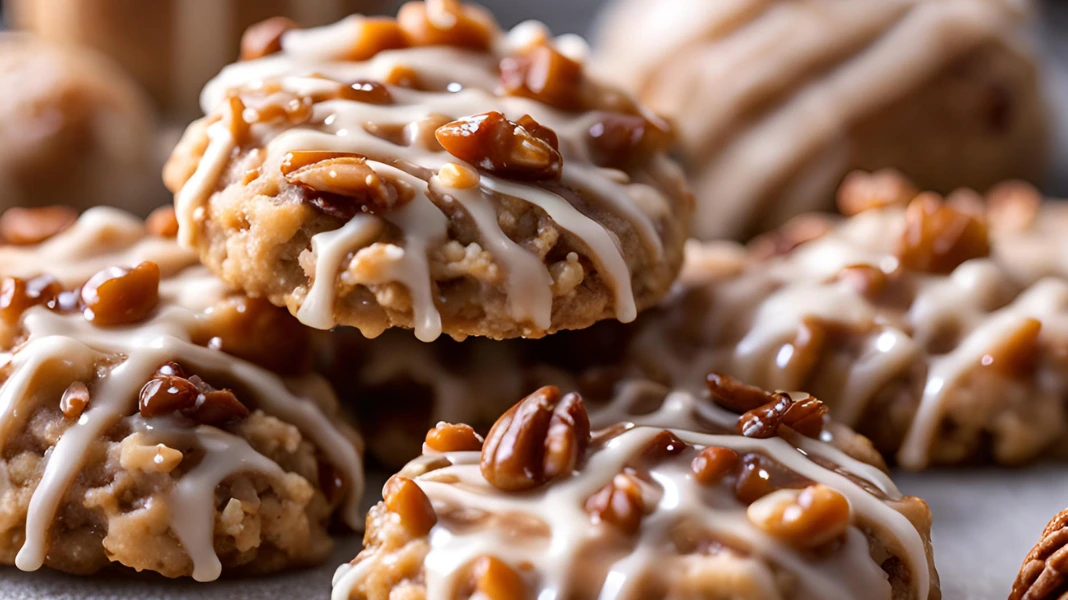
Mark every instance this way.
x=679 y=499
x=469 y=182
x=1044 y=574
x=74 y=130
x=171 y=47
x=776 y=101
x=154 y=419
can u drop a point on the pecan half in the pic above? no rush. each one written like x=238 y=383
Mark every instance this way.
x=24 y=226
x=1044 y=573
x=343 y=185
x=119 y=296
x=861 y=191
x=172 y=390
x=941 y=235
x=736 y=395
x=806 y=416
x=544 y=74
x=265 y=37
x=506 y=148
x=541 y=438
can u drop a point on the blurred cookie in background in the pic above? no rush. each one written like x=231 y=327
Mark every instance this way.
x=74 y=130
x=776 y=101
x=172 y=47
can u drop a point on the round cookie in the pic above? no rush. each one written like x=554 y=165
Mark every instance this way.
x=661 y=494
x=777 y=100
x=74 y=130
x=154 y=419
x=431 y=173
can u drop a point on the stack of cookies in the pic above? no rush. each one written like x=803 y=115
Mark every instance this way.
x=465 y=244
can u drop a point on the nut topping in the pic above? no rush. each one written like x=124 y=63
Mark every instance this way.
x=446 y=23
x=265 y=37
x=1017 y=354
x=368 y=92
x=494 y=580
x=539 y=439
x=1044 y=574
x=25 y=226
x=74 y=400
x=808 y=518
x=735 y=395
x=861 y=191
x=665 y=444
x=939 y=235
x=343 y=185
x=713 y=463
x=17 y=295
x=545 y=75
x=620 y=141
x=805 y=416
x=502 y=147
x=162 y=222
x=173 y=391
x=120 y=296
x=377 y=34
x=619 y=503
x=449 y=437
x=407 y=500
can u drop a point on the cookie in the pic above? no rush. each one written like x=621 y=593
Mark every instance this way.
x=153 y=418
x=776 y=101
x=431 y=173
x=679 y=498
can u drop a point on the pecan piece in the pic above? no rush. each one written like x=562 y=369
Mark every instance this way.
x=940 y=235
x=17 y=295
x=446 y=23
x=544 y=74
x=665 y=444
x=408 y=501
x=368 y=92
x=735 y=395
x=120 y=296
x=449 y=437
x=1044 y=573
x=376 y=34
x=861 y=191
x=619 y=503
x=621 y=141
x=806 y=416
x=265 y=37
x=506 y=148
x=808 y=518
x=713 y=463
x=541 y=438
x=171 y=390
x=25 y=226
x=495 y=580
x=162 y=222
x=74 y=400
x=343 y=185
x=1017 y=354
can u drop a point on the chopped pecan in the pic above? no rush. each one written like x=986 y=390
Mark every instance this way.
x=495 y=580
x=25 y=226
x=621 y=141
x=458 y=176
x=74 y=400
x=496 y=145
x=447 y=23
x=376 y=34
x=1017 y=354
x=808 y=518
x=265 y=37
x=405 y=77
x=861 y=191
x=449 y=437
x=234 y=117
x=806 y=416
x=665 y=444
x=119 y=296
x=939 y=235
x=754 y=479
x=408 y=501
x=17 y=295
x=544 y=74
x=735 y=395
x=368 y=92
x=1044 y=573
x=255 y=330
x=343 y=185
x=162 y=222
x=539 y=439
x=713 y=463
x=171 y=390
x=619 y=503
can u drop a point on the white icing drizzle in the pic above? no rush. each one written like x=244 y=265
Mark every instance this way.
x=850 y=572
x=185 y=299
x=754 y=317
x=833 y=63
x=338 y=125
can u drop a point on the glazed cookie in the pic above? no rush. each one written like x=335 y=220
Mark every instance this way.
x=74 y=130
x=153 y=419
x=661 y=494
x=431 y=173
x=777 y=100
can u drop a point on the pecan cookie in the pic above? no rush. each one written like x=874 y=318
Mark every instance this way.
x=432 y=173
x=679 y=498
x=154 y=419
x=778 y=100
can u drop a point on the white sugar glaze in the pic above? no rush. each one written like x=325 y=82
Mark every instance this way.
x=764 y=85
x=557 y=563
x=338 y=125
x=107 y=237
